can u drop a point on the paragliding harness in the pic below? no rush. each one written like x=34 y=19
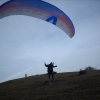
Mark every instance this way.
x=50 y=70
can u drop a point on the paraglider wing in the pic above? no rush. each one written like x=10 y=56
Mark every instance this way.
x=38 y=9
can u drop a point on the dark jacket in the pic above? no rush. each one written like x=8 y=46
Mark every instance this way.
x=50 y=67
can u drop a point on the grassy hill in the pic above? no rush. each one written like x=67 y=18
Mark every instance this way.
x=67 y=86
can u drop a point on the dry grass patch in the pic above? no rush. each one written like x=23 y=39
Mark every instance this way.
x=67 y=86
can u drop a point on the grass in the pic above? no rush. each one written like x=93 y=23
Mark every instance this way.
x=67 y=86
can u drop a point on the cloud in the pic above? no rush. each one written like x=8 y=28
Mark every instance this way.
x=81 y=59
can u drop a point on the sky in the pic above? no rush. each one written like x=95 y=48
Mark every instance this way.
x=27 y=42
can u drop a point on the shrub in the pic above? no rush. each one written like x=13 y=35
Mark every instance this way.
x=90 y=68
x=81 y=72
x=54 y=72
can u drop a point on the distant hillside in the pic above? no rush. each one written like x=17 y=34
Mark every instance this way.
x=67 y=86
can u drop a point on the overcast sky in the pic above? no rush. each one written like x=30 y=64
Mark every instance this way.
x=27 y=42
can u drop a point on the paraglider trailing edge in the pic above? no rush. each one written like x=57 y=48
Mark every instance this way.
x=39 y=9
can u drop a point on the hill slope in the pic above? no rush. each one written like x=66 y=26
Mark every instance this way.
x=67 y=86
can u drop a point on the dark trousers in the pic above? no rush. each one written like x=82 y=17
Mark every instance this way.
x=50 y=73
